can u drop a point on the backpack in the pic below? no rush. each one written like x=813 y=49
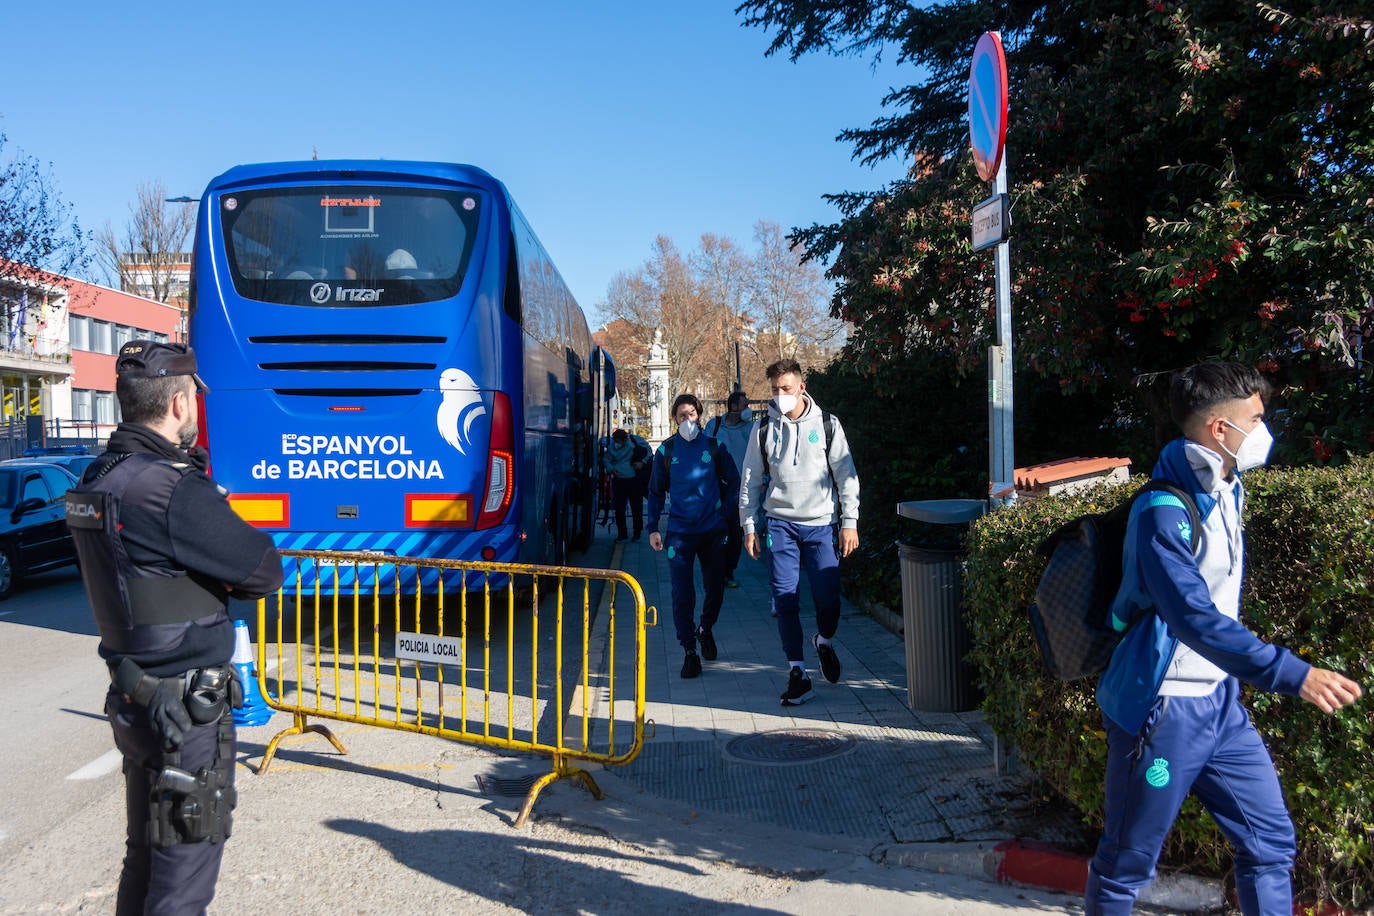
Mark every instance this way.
x=827 y=421
x=1071 y=613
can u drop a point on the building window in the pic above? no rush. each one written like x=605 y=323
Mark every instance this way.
x=81 y=405
x=123 y=334
x=105 y=407
x=102 y=337
x=81 y=332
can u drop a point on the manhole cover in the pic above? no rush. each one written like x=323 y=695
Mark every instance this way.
x=793 y=745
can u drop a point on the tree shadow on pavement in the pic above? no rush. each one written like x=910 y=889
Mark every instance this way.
x=534 y=875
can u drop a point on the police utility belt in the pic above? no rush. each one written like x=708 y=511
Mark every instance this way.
x=208 y=693
x=187 y=807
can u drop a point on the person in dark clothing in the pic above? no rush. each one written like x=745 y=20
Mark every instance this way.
x=625 y=491
x=642 y=460
x=732 y=431
x=161 y=553
x=698 y=479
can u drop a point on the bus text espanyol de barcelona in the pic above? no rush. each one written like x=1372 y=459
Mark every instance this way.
x=380 y=458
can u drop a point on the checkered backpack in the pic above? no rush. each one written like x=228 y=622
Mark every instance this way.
x=1071 y=613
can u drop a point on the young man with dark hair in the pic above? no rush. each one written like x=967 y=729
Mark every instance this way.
x=799 y=472
x=700 y=484
x=161 y=554
x=1170 y=697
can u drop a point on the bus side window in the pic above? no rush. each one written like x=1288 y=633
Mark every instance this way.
x=512 y=300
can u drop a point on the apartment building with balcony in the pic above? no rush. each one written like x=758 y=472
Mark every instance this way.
x=58 y=340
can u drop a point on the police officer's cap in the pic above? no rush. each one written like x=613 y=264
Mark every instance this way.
x=150 y=359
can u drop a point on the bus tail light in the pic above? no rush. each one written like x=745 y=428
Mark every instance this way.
x=500 y=464
x=262 y=510
x=203 y=426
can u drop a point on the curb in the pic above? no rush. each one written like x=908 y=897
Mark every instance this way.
x=1045 y=867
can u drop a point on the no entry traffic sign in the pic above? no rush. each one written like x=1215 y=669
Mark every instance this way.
x=987 y=104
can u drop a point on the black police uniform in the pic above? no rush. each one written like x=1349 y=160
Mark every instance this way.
x=161 y=552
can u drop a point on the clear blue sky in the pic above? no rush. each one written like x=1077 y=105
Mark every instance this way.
x=610 y=122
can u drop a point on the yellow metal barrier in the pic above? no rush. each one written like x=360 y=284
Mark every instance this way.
x=378 y=644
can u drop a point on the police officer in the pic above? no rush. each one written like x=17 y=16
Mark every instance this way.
x=161 y=553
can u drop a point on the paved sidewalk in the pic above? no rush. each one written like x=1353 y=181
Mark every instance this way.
x=854 y=761
x=853 y=772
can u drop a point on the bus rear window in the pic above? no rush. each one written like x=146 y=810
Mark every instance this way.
x=348 y=246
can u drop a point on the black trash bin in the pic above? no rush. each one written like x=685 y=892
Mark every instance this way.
x=938 y=679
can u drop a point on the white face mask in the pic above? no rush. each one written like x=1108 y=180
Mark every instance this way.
x=1254 y=451
x=688 y=429
x=786 y=403
x=746 y=414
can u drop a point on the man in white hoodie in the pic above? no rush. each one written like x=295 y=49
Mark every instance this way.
x=801 y=453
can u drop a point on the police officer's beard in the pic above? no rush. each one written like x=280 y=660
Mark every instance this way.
x=186 y=435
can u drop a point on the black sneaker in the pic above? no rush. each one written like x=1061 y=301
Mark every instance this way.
x=707 y=642
x=830 y=662
x=691 y=665
x=798 y=688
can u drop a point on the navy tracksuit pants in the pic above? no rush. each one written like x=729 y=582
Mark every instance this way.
x=1206 y=745
x=792 y=546
x=683 y=550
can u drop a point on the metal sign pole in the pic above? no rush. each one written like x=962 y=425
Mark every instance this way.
x=1001 y=460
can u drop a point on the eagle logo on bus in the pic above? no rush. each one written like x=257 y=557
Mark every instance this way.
x=461 y=406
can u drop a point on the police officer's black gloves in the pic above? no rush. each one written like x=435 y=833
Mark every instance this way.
x=167 y=711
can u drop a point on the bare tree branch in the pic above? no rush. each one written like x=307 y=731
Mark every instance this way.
x=149 y=256
x=37 y=230
x=769 y=302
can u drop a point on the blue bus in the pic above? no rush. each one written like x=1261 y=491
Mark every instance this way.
x=395 y=365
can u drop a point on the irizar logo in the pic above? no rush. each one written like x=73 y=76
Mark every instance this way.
x=358 y=295
x=320 y=293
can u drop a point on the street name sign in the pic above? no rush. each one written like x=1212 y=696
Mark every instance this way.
x=990 y=222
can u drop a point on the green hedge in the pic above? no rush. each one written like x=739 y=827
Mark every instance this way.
x=1309 y=587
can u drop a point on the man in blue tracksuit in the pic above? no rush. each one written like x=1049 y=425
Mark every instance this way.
x=1170 y=697
x=699 y=480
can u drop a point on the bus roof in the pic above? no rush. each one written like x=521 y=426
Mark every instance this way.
x=332 y=170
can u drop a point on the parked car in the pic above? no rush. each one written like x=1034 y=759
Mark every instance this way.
x=33 y=519
x=35 y=451
x=75 y=462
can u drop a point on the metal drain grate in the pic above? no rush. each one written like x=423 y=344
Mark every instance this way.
x=506 y=786
x=793 y=745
